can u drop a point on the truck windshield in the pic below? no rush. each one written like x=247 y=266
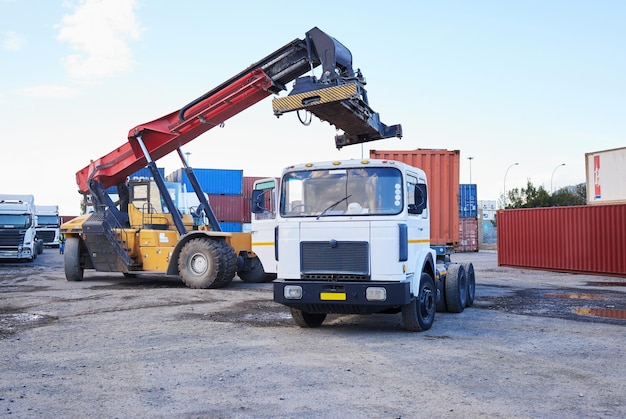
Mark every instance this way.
x=48 y=220
x=14 y=221
x=334 y=192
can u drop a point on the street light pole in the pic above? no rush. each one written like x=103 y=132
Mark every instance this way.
x=505 y=173
x=470 y=160
x=552 y=177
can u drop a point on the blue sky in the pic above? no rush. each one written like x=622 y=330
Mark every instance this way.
x=535 y=82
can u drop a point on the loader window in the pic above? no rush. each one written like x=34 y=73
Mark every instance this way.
x=359 y=191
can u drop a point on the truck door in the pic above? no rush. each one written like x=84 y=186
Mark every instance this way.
x=264 y=207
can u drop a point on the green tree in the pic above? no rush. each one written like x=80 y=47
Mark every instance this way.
x=536 y=197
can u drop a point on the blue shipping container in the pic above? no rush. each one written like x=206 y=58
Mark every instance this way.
x=212 y=181
x=231 y=227
x=144 y=173
x=468 y=201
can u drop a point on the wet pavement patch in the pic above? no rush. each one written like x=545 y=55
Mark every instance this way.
x=255 y=312
x=11 y=323
x=600 y=306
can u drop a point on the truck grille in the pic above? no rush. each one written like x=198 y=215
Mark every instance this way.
x=11 y=237
x=334 y=261
x=46 y=236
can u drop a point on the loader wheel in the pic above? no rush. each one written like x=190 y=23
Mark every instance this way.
x=471 y=283
x=419 y=314
x=256 y=274
x=305 y=319
x=456 y=288
x=199 y=264
x=71 y=258
x=228 y=267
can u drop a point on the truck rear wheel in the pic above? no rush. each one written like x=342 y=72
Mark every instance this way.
x=471 y=283
x=255 y=274
x=71 y=259
x=456 y=288
x=199 y=263
x=419 y=314
x=304 y=319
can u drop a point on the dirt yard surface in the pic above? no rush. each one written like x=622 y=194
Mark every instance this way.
x=535 y=344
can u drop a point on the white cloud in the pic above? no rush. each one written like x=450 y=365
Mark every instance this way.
x=49 y=91
x=13 y=41
x=99 y=31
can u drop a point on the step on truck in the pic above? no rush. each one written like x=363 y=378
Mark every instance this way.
x=353 y=237
x=141 y=230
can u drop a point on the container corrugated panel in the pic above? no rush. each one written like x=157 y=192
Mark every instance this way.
x=468 y=202
x=468 y=235
x=212 y=181
x=227 y=207
x=580 y=239
x=442 y=172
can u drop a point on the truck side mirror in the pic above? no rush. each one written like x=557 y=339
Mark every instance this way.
x=421 y=199
x=258 y=201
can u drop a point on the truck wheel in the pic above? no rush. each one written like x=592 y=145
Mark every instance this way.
x=441 y=302
x=304 y=319
x=256 y=274
x=419 y=314
x=456 y=288
x=71 y=258
x=199 y=263
x=471 y=283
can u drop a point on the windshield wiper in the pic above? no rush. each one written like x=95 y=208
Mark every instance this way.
x=333 y=206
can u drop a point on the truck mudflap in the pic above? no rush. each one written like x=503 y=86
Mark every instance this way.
x=343 y=298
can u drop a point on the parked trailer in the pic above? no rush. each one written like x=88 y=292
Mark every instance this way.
x=582 y=239
x=606 y=176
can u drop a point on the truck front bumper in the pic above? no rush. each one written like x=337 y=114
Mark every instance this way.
x=344 y=298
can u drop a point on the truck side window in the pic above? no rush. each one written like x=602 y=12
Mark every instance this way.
x=418 y=195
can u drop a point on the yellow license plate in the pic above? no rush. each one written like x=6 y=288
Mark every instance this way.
x=333 y=296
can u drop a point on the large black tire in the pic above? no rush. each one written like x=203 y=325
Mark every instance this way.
x=456 y=288
x=419 y=314
x=441 y=302
x=229 y=262
x=199 y=263
x=471 y=283
x=71 y=258
x=256 y=274
x=310 y=320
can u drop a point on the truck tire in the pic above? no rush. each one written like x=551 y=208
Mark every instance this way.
x=304 y=319
x=199 y=263
x=255 y=274
x=456 y=288
x=71 y=259
x=471 y=283
x=419 y=314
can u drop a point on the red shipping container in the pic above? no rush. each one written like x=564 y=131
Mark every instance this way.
x=587 y=239
x=442 y=173
x=228 y=207
x=468 y=235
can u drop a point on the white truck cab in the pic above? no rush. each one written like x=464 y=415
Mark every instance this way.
x=353 y=237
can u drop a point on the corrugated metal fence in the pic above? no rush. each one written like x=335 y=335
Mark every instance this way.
x=581 y=239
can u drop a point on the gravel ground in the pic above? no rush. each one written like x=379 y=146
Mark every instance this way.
x=535 y=344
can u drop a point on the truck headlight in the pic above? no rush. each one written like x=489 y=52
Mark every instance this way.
x=292 y=292
x=376 y=294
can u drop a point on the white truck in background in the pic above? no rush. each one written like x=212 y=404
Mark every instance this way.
x=48 y=224
x=18 y=220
